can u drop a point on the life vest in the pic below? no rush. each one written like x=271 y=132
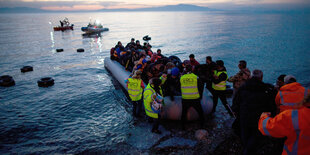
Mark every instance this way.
x=222 y=84
x=134 y=89
x=293 y=124
x=148 y=100
x=189 y=86
x=290 y=95
x=140 y=62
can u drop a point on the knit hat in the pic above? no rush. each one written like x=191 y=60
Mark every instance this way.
x=175 y=71
x=289 y=79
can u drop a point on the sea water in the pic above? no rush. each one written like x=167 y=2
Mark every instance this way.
x=86 y=111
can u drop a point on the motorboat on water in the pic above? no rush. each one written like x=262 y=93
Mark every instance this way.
x=64 y=25
x=95 y=27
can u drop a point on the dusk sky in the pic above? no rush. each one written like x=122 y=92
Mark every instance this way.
x=112 y=4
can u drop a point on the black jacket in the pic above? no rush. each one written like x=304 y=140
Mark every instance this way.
x=252 y=99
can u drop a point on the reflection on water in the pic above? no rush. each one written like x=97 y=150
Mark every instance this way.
x=84 y=111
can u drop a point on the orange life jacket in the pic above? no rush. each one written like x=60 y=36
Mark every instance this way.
x=293 y=124
x=289 y=95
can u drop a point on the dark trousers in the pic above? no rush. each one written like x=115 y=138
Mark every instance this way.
x=251 y=139
x=220 y=94
x=156 y=123
x=136 y=108
x=195 y=103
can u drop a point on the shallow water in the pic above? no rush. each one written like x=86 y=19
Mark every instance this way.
x=84 y=111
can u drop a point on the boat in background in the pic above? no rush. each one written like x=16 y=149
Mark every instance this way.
x=95 y=27
x=64 y=25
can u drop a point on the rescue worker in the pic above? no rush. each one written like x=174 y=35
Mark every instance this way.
x=243 y=75
x=154 y=87
x=290 y=94
x=135 y=88
x=219 y=87
x=191 y=91
x=294 y=124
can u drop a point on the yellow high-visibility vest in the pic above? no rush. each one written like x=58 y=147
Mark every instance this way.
x=222 y=84
x=134 y=89
x=189 y=86
x=147 y=100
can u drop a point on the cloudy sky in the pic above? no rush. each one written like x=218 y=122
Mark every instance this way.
x=111 y=4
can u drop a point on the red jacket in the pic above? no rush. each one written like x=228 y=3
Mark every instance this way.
x=289 y=95
x=293 y=124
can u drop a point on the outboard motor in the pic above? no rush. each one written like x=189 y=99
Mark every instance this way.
x=146 y=38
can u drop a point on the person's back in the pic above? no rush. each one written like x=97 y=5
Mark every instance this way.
x=254 y=98
x=290 y=94
x=294 y=124
x=251 y=99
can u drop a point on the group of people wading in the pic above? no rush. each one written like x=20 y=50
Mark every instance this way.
x=280 y=111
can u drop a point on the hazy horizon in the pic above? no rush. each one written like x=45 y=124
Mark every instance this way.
x=74 y=5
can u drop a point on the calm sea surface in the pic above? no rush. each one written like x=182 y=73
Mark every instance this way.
x=84 y=111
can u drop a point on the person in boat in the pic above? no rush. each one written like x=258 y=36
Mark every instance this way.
x=168 y=67
x=153 y=88
x=172 y=86
x=219 y=86
x=61 y=23
x=131 y=44
x=132 y=58
x=113 y=54
x=184 y=64
x=119 y=48
x=191 y=91
x=141 y=64
x=154 y=58
x=135 y=89
x=149 y=51
x=193 y=61
x=138 y=46
x=160 y=56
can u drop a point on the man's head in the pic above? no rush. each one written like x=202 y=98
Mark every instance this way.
x=208 y=59
x=220 y=63
x=289 y=79
x=257 y=74
x=242 y=64
x=280 y=80
x=158 y=51
x=132 y=40
x=175 y=72
x=191 y=57
x=137 y=42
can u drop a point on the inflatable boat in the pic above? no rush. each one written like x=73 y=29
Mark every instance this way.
x=172 y=110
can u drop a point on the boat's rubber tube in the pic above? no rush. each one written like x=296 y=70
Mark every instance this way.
x=172 y=109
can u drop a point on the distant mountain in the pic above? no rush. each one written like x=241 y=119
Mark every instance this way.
x=180 y=7
x=21 y=10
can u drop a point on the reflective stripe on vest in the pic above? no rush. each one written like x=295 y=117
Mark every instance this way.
x=265 y=125
x=287 y=103
x=189 y=87
x=134 y=89
x=297 y=130
x=222 y=84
